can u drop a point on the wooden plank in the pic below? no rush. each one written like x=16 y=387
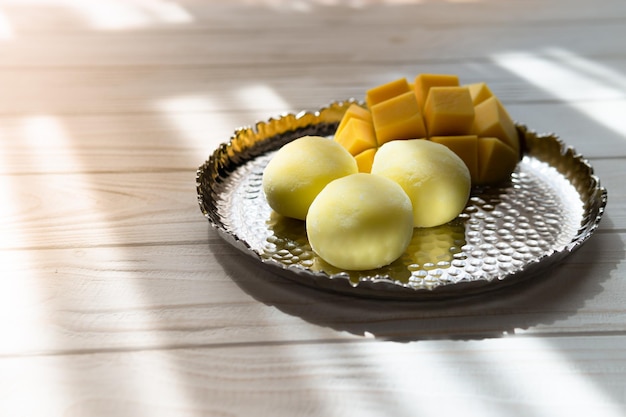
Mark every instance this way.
x=246 y=15
x=182 y=141
x=308 y=85
x=560 y=376
x=208 y=104
x=180 y=132
x=240 y=35
x=107 y=209
x=124 y=296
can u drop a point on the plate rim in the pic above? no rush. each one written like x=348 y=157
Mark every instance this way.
x=250 y=142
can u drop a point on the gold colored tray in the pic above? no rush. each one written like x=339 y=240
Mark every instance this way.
x=552 y=205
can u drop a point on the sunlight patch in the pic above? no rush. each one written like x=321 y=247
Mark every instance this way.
x=592 y=89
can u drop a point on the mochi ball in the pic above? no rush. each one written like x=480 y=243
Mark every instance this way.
x=360 y=222
x=300 y=170
x=436 y=180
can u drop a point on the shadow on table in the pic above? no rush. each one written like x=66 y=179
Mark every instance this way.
x=539 y=301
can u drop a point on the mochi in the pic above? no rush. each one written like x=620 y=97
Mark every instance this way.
x=360 y=222
x=300 y=170
x=436 y=180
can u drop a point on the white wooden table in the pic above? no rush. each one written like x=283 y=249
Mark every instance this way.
x=117 y=298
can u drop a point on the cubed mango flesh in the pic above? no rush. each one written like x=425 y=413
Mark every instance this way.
x=398 y=118
x=365 y=159
x=356 y=136
x=448 y=111
x=492 y=120
x=466 y=147
x=386 y=91
x=496 y=161
x=424 y=82
x=456 y=116
x=354 y=111
x=479 y=92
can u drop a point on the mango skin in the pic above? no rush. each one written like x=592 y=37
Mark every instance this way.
x=436 y=179
x=300 y=170
x=360 y=222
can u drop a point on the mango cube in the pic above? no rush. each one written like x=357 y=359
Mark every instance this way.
x=357 y=136
x=495 y=160
x=424 y=82
x=398 y=118
x=386 y=91
x=466 y=147
x=492 y=120
x=479 y=92
x=354 y=111
x=467 y=119
x=449 y=111
x=365 y=159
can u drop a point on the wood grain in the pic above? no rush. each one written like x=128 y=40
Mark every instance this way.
x=117 y=298
x=320 y=378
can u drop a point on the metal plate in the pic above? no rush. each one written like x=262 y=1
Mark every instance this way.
x=552 y=205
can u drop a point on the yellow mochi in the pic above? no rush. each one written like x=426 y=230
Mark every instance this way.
x=300 y=170
x=360 y=222
x=436 y=180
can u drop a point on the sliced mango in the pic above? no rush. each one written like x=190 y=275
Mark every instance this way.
x=496 y=161
x=356 y=136
x=479 y=92
x=448 y=111
x=437 y=107
x=492 y=120
x=386 y=91
x=354 y=111
x=365 y=159
x=466 y=147
x=398 y=118
x=424 y=82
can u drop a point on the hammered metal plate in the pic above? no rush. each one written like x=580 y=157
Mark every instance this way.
x=552 y=205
